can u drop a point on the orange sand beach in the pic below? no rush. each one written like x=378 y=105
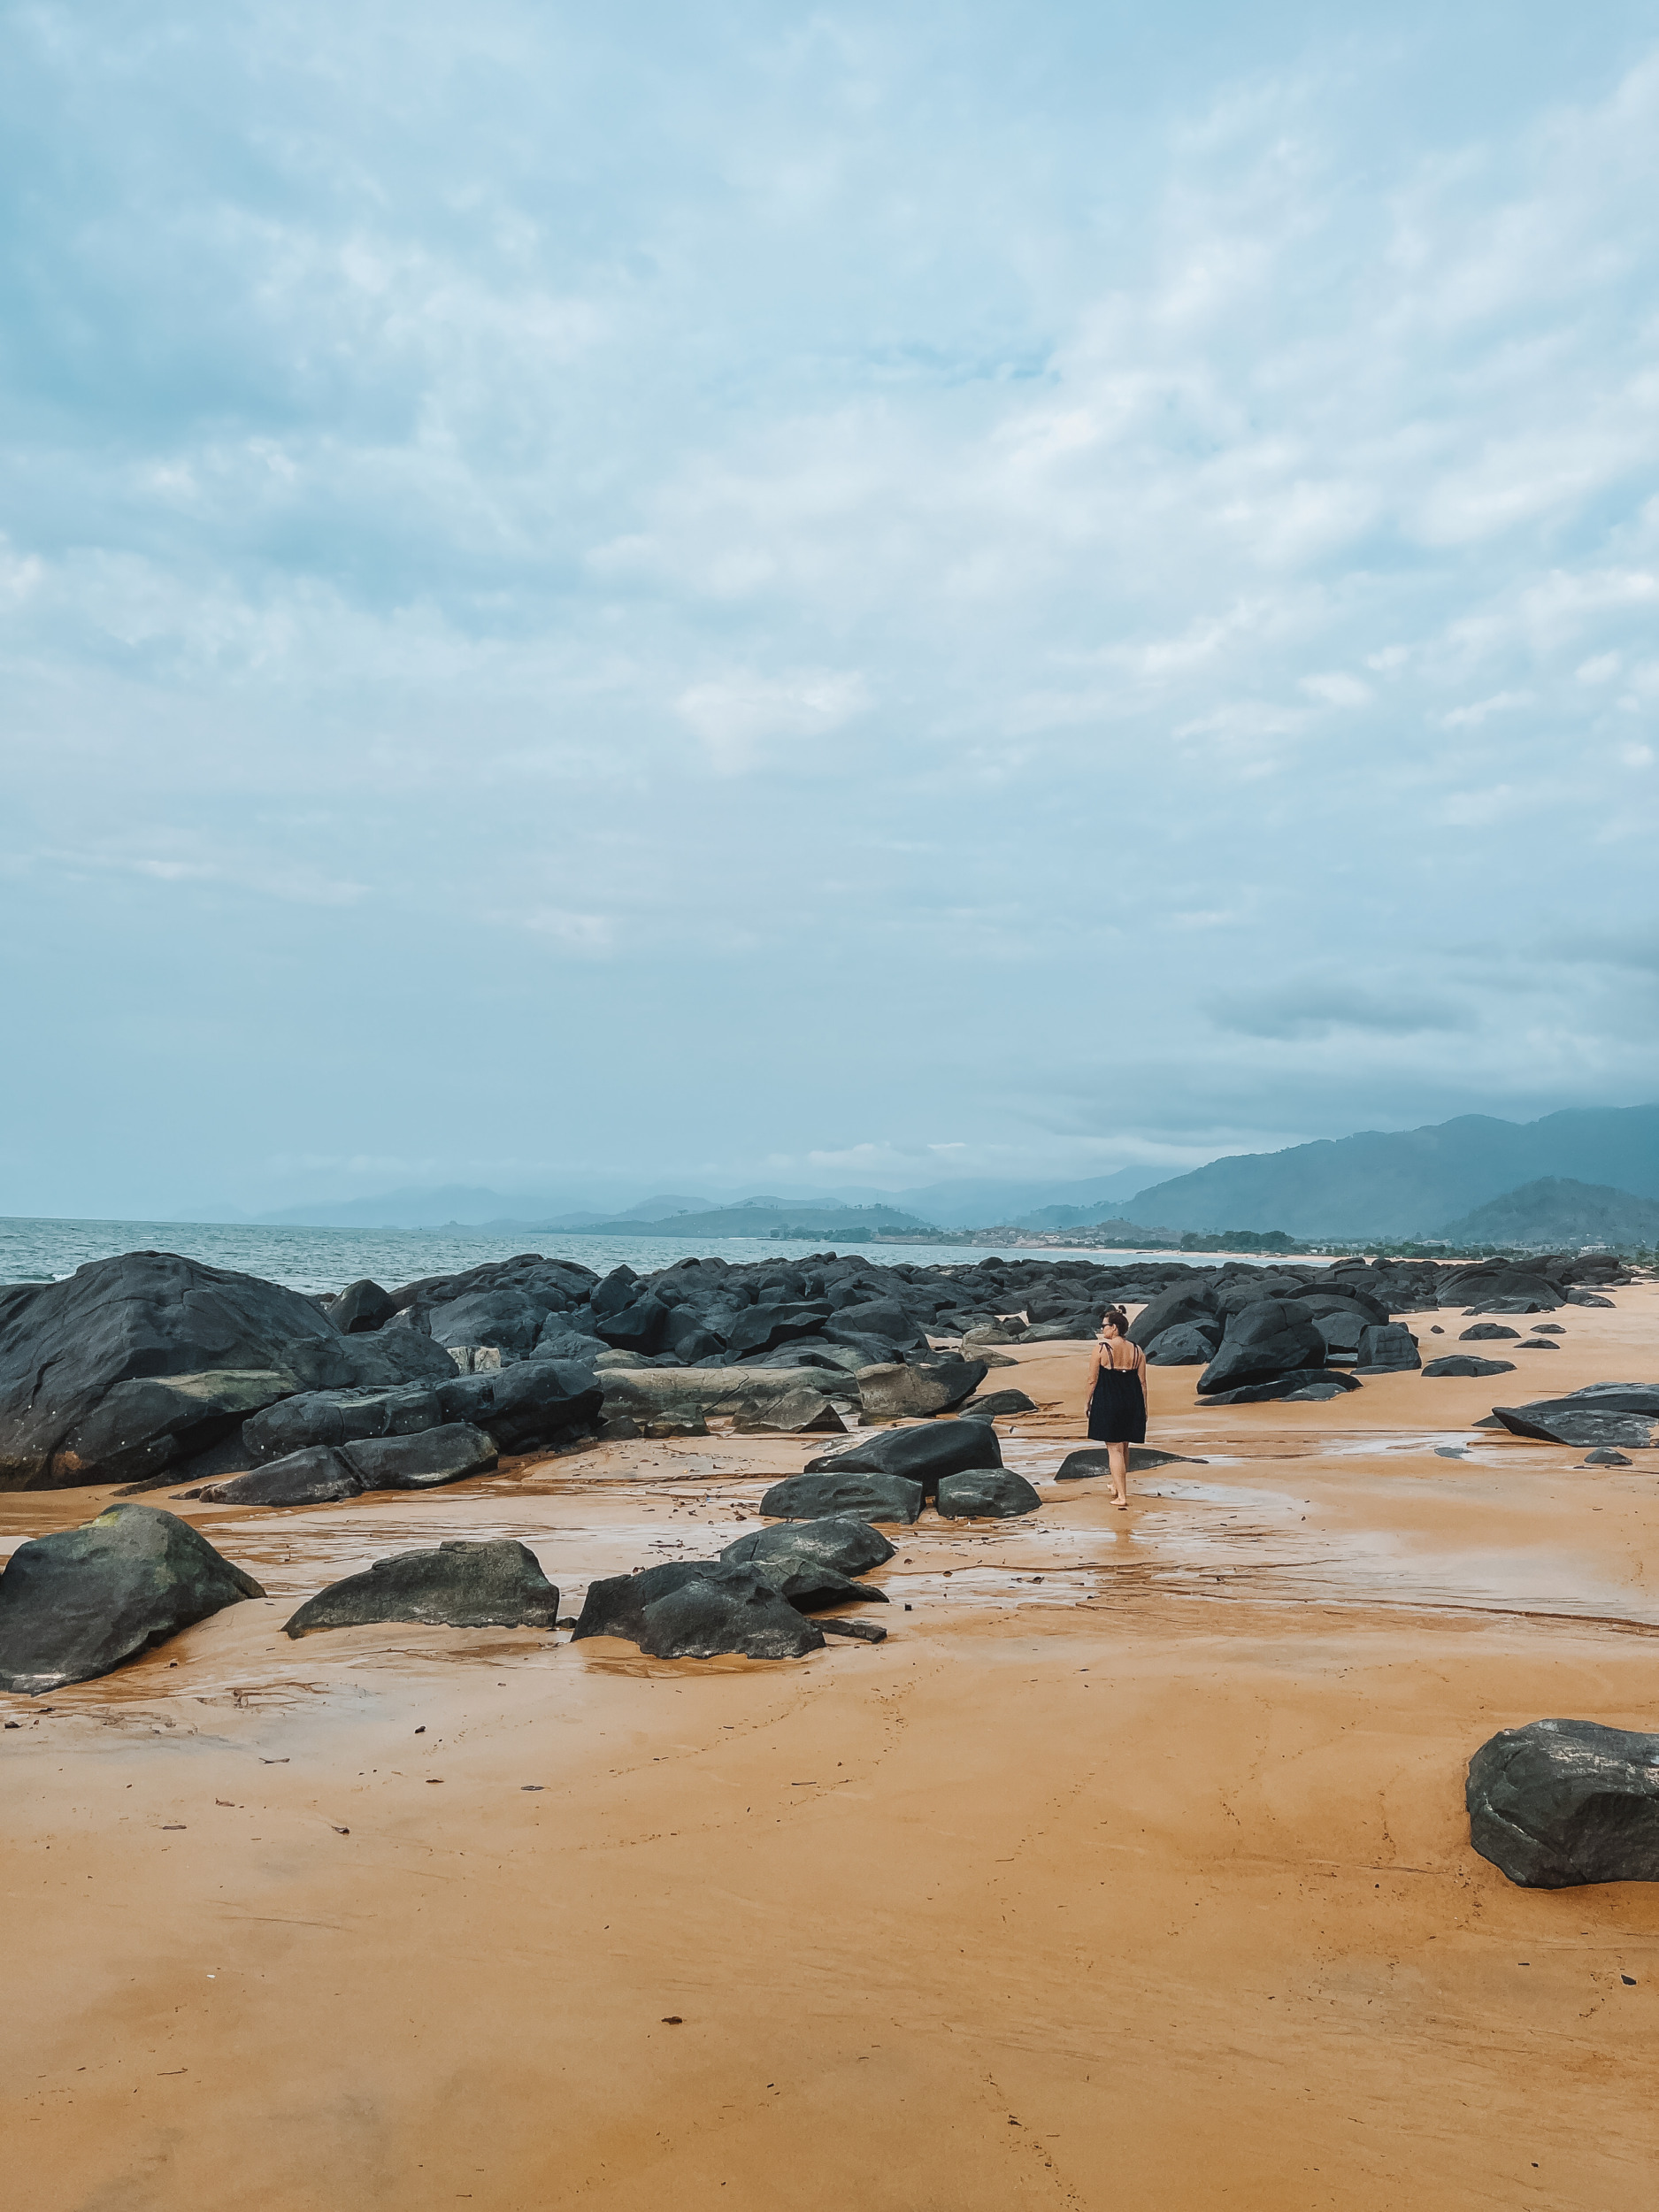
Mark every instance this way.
x=1132 y=1870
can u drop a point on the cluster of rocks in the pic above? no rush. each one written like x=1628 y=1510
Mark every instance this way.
x=152 y=1368
x=77 y=1604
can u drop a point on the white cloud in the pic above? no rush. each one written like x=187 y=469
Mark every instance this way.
x=1005 y=569
x=1471 y=717
x=741 y=716
x=1338 y=689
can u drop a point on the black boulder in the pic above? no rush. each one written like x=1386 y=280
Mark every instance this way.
x=1188 y=1344
x=851 y=1546
x=993 y=1405
x=922 y=1455
x=460 y=1585
x=1265 y=1340
x=1181 y=1305
x=986 y=1494
x=73 y=1605
x=698 y=1609
x=1560 y=1803
x=361 y=1307
x=66 y=1347
x=868 y=1497
x=726 y=1609
x=321 y=1474
x=1390 y=1349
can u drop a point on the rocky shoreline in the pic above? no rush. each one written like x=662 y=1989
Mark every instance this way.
x=153 y=1371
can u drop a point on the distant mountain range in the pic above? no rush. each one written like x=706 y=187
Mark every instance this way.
x=1411 y=1183
x=751 y=1217
x=1558 y=1213
x=963 y=1205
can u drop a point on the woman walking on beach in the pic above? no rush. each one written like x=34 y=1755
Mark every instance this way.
x=1117 y=1398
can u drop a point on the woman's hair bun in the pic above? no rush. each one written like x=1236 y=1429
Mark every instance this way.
x=1118 y=1318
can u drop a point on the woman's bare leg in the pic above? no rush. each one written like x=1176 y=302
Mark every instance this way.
x=1117 y=1468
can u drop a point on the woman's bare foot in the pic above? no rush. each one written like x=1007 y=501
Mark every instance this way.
x=1122 y=1504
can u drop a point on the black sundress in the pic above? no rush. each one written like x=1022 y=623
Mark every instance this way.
x=1118 y=1409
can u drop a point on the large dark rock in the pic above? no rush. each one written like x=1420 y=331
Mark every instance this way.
x=1181 y=1305
x=450 y=1453
x=557 y=1340
x=871 y=1350
x=66 y=1347
x=140 y=1429
x=812 y=1587
x=881 y=1319
x=868 y=1497
x=637 y=1327
x=918 y=1388
x=726 y=1609
x=677 y=1402
x=1606 y=1414
x=341 y=1417
x=1563 y=1802
x=615 y=1604
x=76 y=1603
x=1289 y=1385
x=851 y=1546
x=697 y=1609
x=1468 y=1363
x=1078 y=1330
x=507 y=1317
x=1487 y=1333
x=319 y=1475
x=986 y=1494
x=497 y=1584
x=537 y=1402
x=1084 y=1465
x=619 y=1288
x=1501 y=1289
x=993 y=1405
x=1333 y=1304
x=1266 y=1339
x=1389 y=1350
x=361 y=1307
x=1342 y=1332
x=1188 y=1344
x=921 y=1454
x=759 y=1329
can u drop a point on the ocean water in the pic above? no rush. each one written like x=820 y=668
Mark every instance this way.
x=328 y=1259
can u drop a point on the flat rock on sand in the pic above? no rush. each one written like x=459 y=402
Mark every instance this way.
x=994 y=1404
x=1601 y=1413
x=497 y=1584
x=1081 y=1466
x=76 y=1604
x=870 y=1497
x=849 y=1545
x=921 y=1454
x=323 y=1474
x=698 y=1609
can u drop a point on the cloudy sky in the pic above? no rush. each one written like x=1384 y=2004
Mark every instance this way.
x=763 y=596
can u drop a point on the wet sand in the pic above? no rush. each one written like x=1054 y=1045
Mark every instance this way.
x=1132 y=1870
